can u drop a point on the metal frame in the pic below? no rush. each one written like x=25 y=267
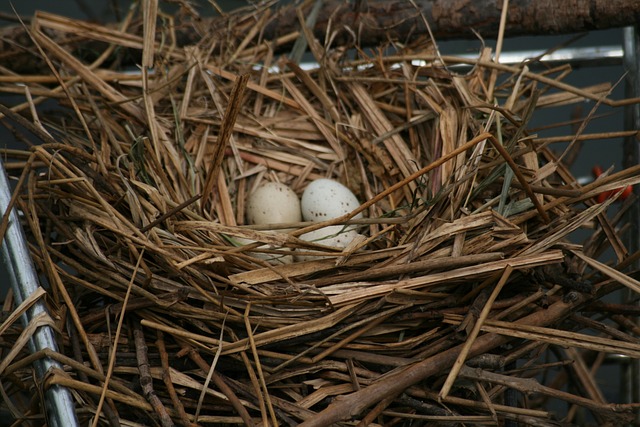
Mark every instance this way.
x=24 y=281
x=631 y=156
x=579 y=56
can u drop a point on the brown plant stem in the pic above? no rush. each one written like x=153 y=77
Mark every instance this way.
x=623 y=413
x=222 y=385
x=146 y=381
x=348 y=406
x=109 y=411
x=166 y=378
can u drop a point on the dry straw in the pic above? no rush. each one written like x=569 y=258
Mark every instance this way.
x=133 y=198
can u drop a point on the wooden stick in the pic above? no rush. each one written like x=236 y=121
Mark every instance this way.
x=146 y=381
x=221 y=384
x=353 y=404
x=621 y=412
x=398 y=18
x=455 y=369
x=166 y=378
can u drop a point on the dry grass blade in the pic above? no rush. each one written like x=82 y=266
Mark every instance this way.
x=112 y=357
x=19 y=311
x=397 y=148
x=370 y=290
x=558 y=337
x=446 y=388
x=621 y=278
x=530 y=385
x=37 y=321
x=228 y=122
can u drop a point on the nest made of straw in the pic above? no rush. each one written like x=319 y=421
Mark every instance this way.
x=135 y=194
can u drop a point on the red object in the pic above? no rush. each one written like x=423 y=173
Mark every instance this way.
x=597 y=171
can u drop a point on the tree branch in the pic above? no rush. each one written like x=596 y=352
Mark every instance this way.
x=378 y=21
x=373 y=23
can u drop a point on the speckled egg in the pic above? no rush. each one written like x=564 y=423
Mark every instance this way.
x=271 y=258
x=335 y=236
x=324 y=199
x=273 y=203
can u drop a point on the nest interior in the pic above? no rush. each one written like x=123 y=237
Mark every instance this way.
x=463 y=301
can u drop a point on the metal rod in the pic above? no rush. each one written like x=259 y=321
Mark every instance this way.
x=24 y=281
x=577 y=56
x=631 y=156
x=593 y=56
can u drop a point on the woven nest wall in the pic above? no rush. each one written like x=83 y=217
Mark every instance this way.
x=461 y=283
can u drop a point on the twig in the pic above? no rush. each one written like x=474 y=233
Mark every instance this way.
x=112 y=416
x=501 y=27
x=166 y=377
x=377 y=410
x=146 y=381
x=221 y=384
x=474 y=333
x=261 y=377
x=114 y=349
x=622 y=412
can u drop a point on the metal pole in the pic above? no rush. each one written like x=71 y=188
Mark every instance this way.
x=24 y=281
x=631 y=157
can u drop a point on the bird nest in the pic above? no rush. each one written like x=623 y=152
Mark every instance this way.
x=462 y=295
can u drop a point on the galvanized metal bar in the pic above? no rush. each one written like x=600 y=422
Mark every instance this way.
x=576 y=56
x=24 y=281
x=594 y=56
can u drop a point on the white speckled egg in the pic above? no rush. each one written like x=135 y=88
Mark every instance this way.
x=273 y=203
x=324 y=199
x=335 y=236
x=271 y=258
